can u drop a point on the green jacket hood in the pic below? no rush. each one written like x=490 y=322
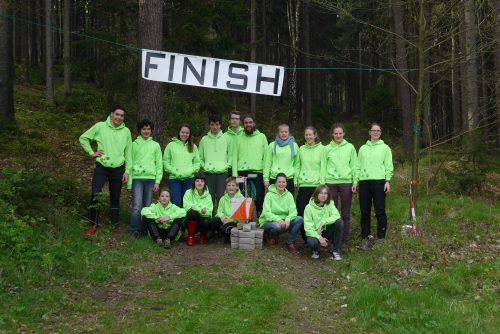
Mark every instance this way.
x=234 y=133
x=311 y=147
x=342 y=143
x=211 y=135
x=273 y=189
x=109 y=122
x=378 y=142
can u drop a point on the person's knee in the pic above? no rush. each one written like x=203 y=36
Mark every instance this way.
x=298 y=221
x=339 y=224
x=192 y=215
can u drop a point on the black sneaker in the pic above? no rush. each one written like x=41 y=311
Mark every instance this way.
x=167 y=244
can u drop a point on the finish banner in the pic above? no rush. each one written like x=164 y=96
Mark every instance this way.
x=212 y=73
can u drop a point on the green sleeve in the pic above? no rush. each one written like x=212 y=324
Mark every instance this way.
x=389 y=168
x=88 y=136
x=149 y=212
x=209 y=206
x=322 y=175
x=235 y=157
x=187 y=200
x=201 y=151
x=128 y=154
x=297 y=170
x=158 y=165
x=309 y=225
x=333 y=215
x=354 y=164
x=167 y=160
x=196 y=160
x=178 y=213
x=296 y=163
x=292 y=209
x=223 y=208
x=268 y=161
x=267 y=214
x=130 y=176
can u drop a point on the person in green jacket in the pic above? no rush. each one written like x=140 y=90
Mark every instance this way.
x=322 y=223
x=214 y=157
x=181 y=161
x=233 y=130
x=145 y=176
x=342 y=170
x=248 y=158
x=198 y=204
x=282 y=156
x=279 y=214
x=375 y=161
x=163 y=219
x=113 y=163
x=223 y=217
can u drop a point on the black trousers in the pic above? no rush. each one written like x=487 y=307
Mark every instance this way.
x=157 y=232
x=224 y=229
x=258 y=183
x=372 y=191
x=333 y=233
x=208 y=223
x=303 y=198
x=114 y=178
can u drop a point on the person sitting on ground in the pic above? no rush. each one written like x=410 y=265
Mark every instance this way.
x=223 y=217
x=322 y=223
x=163 y=219
x=279 y=214
x=199 y=206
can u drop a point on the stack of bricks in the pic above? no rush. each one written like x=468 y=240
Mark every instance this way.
x=247 y=236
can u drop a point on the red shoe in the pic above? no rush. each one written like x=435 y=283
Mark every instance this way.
x=190 y=240
x=91 y=230
x=203 y=236
x=191 y=227
x=116 y=232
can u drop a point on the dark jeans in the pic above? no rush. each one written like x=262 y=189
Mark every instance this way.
x=258 y=183
x=216 y=184
x=224 y=229
x=290 y=186
x=345 y=193
x=142 y=193
x=163 y=233
x=333 y=233
x=178 y=188
x=208 y=223
x=303 y=198
x=114 y=178
x=372 y=190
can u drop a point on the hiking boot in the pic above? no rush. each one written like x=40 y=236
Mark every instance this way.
x=291 y=248
x=136 y=234
x=167 y=244
x=116 y=232
x=365 y=244
x=335 y=256
x=91 y=230
x=379 y=243
x=159 y=242
x=315 y=255
x=203 y=236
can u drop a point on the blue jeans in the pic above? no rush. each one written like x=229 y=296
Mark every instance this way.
x=142 y=193
x=273 y=229
x=178 y=188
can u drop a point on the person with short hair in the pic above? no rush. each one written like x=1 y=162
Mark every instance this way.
x=181 y=161
x=376 y=169
x=214 y=157
x=342 y=173
x=163 y=219
x=282 y=156
x=223 y=216
x=233 y=131
x=323 y=224
x=198 y=204
x=279 y=215
x=145 y=175
x=248 y=158
x=113 y=161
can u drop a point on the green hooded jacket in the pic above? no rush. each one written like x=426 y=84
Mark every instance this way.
x=192 y=197
x=214 y=153
x=115 y=142
x=178 y=162
x=249 y=152
x=157 y=210
x=278 y=206
x=342 y=165
x=312 y=166
x=146 y=161
x=315 y=215
x=375 y=161
x=281 y=162
x=231 y=136
x=224 y=208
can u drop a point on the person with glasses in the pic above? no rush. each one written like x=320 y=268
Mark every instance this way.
x=376 y=169
x=233 y=131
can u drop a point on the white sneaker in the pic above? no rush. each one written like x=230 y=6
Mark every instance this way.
x=315 y=255
x=335 y=256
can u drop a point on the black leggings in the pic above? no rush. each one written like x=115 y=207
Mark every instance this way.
x=333 y=233
x=163 y=233
x=224 y=229
x=208 y=223
x=372 y=190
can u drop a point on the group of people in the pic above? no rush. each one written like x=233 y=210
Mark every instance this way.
x=203 y=177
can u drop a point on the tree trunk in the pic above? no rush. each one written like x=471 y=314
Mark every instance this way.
x=496 y=5
x=150 y=92
x=307 y=62
x=455 y=95
x=293 y=16
x=403 y=89
x=7 y=118
x=67 y=54
x=253 y=50
x=34 y=41
x=48 y=54
x=471 y=63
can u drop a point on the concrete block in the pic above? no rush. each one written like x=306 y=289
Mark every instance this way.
x=234 y=232
x=249 y=241
x=259 y=241
x=247 y=227
x=235 y=239
x=258 y=246
x=246 y=246
x=246 y=234
x=235 y=245
x=253 y=225
x=239 y=226
x=259 y=233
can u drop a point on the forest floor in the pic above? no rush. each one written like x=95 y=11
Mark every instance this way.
x=53 y=279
